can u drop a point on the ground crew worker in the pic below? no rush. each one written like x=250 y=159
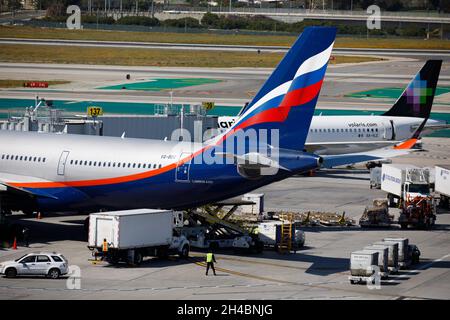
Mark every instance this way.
x=210 y=259
x=26 y=236
x=104 y=248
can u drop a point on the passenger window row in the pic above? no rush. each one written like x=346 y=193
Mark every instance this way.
x=22 y=158
x=345 y=130
x=91 y=163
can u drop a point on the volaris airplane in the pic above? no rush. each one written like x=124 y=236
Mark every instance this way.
x=342 y=135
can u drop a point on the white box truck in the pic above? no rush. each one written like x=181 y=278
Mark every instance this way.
x=403 y=181
x=442 y=185
x=408 y=188
x=131 y=235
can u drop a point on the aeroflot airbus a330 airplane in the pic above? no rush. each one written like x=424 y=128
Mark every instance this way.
x=61 y=173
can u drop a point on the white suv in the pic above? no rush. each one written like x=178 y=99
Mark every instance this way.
x=48 y=264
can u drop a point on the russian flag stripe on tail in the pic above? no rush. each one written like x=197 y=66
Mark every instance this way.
x=288 y=98
x=301 y=95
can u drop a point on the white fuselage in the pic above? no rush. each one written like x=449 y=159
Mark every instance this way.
x=67 y=157
x=332 y=135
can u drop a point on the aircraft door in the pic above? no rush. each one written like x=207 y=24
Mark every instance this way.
x=393 y=129
x=62 y=162
x=388 y=131
x=182 y=172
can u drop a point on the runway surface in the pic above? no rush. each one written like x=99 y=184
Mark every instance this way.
x=320 y=270
x=236 y=86
x=413 y=53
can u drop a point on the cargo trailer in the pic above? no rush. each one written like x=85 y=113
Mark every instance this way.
x=270 y=234
x=392 y=254
x=403 y=251
x=383 y=256
x=363 y=265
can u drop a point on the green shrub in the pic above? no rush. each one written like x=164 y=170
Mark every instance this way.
x=210 y=20
x=140 y=21
x=411 y=32
x=55 y=18
x=181 y=23
x=93 y=19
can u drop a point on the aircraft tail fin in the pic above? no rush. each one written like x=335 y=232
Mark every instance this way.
x=288 y=98
x=417 y=99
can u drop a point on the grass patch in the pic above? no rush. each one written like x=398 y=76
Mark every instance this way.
x=207 y=38
x=147 y=57
x=161 y=84
x=19 y=83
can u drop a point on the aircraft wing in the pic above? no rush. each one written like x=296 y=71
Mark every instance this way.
x=345 y=147
x=9 y=181
x=350 y=158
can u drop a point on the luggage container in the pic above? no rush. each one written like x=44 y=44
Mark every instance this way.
x=383 y=256
x=362 y=266
x=270 y=233
x=392 y=254
x=258 y=206
x=403 y=248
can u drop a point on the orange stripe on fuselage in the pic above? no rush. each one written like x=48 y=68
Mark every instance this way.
x=277 y=114
x=97 y=182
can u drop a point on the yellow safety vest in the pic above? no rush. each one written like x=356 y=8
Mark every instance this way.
x=105 y=246
x=209 y=257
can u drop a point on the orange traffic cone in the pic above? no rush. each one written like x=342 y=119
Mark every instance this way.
x=14 y=246
x=39 y=215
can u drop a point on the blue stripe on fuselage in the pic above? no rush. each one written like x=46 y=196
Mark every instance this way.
x=207 y=183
